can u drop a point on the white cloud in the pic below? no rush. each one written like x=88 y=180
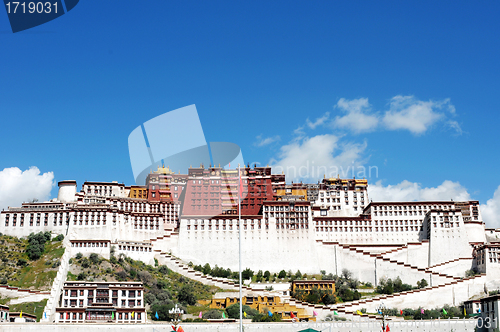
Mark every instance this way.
x=407 y=112
x=412 y=191
x=309 y=158
x=21 y=186
x=455 y=126
x=357 y=118
x=261 y=141
x=491 y=210
x=318 y=122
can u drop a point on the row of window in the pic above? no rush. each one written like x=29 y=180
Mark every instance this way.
x=369 y=229
x=89 y=244
x=103 y=316
x=368 y=222
x=134 y=248
x=101 y=292
x=285 y=208
x=114 y=301
x=411 y=207
x=401 y=213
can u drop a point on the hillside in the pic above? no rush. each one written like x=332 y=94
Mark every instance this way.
x=17 y=269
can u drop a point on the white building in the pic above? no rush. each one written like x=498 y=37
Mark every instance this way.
x=112 y=302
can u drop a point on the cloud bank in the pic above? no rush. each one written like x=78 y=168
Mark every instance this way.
x=413 y=191
x=22 y=186
x=491 y=210
x=310 y=158
x=404 y=113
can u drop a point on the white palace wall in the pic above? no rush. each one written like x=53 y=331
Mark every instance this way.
x=263 y=249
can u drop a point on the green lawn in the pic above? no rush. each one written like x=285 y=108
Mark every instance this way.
x=37 y=274
x=30 y=308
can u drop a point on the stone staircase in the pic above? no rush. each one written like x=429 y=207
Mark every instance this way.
x=402 y=297
x=57 y=285
x=439 y=277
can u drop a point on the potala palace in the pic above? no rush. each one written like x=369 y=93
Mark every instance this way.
x=330 y=225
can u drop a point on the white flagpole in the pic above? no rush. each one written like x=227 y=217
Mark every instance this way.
x=239 y=236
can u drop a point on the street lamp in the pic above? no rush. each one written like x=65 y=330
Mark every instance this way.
x=381 y=310
x=177 y=315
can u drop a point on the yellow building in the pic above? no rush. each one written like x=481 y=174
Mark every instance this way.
x=296 y=190
x=138 y=192
x=258 y=302
x=307 y=285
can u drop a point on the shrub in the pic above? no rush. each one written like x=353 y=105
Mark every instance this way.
x=186 y=295
x=471 y=272
x=346 y=274
x=422 y=283
x=207 y=269
x=36 y=244
x=161 y=284
x=60 y=237
x=246 y=274
x=79 y=255
x=266 y=318
x=162 y=310
x=212 y=314
x=85 y=263
x=81 y=276
x=233 y=311
x=94 y=258
x=145 y=277
x=327 y=277
x=122 y=275
x=259 y=275
x=163 y=269
x=21 y=262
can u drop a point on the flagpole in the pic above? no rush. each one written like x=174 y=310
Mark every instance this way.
x=239 y=237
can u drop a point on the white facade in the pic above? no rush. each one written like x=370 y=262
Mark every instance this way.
x=340 y=229
x=116 y=302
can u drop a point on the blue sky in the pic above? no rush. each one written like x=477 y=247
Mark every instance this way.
x=409 y=87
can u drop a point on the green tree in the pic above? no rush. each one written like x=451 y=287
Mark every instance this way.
x=162 y=310
x=267 y=275
x=212 y=314
x=233 y=311
x=422 y=283
x=161 y=284
x=163 y=269
x=246 y=274
x=186 y=295
x=282 y=274
x=94 y=258
x=85 y=263
x=207 y=269
x=259 y=275
x=60 y=237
